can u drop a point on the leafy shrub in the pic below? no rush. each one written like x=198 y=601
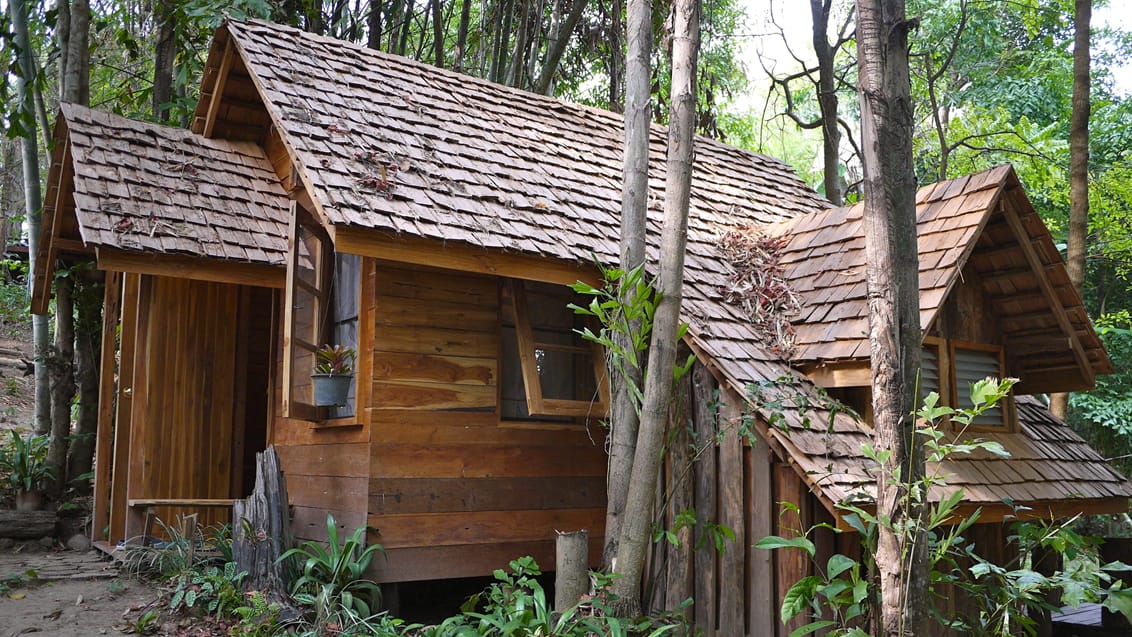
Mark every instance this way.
x=214 y=590
x=516 y=606
x=332 y=582
x=256 y=617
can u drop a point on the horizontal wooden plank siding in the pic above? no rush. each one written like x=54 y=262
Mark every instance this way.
x=452 y=491
x=327 y=468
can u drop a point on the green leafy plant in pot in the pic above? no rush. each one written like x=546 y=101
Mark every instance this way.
x=333 y=373
x=23 y=462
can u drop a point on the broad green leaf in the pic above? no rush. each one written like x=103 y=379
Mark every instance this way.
x=772 y=542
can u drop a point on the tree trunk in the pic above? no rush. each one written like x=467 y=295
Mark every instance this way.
x=27 y=525
x=616 y=57
x=634 y=537
x=74 y=53
x=893 y=292
x=827 y=101
x=406 y=22
x=462 y=35
x=518 y=61
x=165 y=52
x=32 y=204
x=558 y=44
x=634 y=212
x=62 y=382
x=503 y=43
x=1078 y=166
x=88 y=342
x=373 y=25
x=438 y=32
x=11 y=194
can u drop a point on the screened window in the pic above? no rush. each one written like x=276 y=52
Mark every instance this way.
x=322 y=308
x=549 y=373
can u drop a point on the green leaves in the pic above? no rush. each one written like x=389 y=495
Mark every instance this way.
x=772 y=542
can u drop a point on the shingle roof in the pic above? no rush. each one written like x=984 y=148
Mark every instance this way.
x=959 y=222
x=490 y=166
x=146 y=187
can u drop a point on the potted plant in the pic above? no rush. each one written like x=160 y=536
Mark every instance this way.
x=333 y=373
x=24 y=461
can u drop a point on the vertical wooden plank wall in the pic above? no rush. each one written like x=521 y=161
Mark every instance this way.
x=104 y=440
x=184 y=396
x=735 y=482
x=454 y=492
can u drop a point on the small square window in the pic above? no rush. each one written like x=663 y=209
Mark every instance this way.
x=549 y=372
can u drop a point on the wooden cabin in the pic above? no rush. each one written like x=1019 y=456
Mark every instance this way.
x=328 y=193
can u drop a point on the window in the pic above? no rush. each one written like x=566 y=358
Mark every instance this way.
x=972 y=362
x=549 y=373
x=321 y=308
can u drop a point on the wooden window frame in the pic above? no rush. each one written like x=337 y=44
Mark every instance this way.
x=1009 y=413
x=321 y=291
x=537 y=404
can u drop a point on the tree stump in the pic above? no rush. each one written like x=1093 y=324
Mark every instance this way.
x=571 y=577
x=27 y=525
x=261 y=528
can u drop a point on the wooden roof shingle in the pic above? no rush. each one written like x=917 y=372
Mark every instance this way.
x=149 y=188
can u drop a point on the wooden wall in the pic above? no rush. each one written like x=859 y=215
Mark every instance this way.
x=187 y=344
x=452 y=491
x=736 y=481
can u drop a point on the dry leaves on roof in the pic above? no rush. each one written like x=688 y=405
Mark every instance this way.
x=757 y=285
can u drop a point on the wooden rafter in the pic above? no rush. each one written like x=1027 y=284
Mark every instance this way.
x=218 y=89
x=1051 y=295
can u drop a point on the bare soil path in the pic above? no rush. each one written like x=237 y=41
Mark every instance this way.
x=67 y=594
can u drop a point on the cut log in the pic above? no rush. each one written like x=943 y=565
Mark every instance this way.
x=571 y=578
x=27 y=525
x=261 y=528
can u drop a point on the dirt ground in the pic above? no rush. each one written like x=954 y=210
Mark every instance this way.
x=68 y=594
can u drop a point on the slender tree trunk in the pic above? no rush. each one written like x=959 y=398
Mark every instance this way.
x=635 y=531
x=518 y=61
x=314 y=16
x=373 y=24
x=406 y=22
x=893 y=292
x=11 y=197
x=634 y=213
x=396 y=14
x=165 y=52
x=1078 y=165
x=616 y=57
x=827 y=101
x=74 y=63
x=32 y=204
x=62 y=382
x=88 y=341
x=462 y=35
x=558 y=44
x=438 y=32
x=503 y=41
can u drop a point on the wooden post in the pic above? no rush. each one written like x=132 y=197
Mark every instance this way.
x=704 y=424
x=261 y=527
x=571 y=578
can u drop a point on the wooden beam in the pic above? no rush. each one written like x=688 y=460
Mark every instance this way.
x=59 y=179
x=462 y=257
x=197 y=268
x=123 y=405
x=73 y=246
x=1051 y=295
x=848 y=375
x=218 y=89
x=104 y=440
